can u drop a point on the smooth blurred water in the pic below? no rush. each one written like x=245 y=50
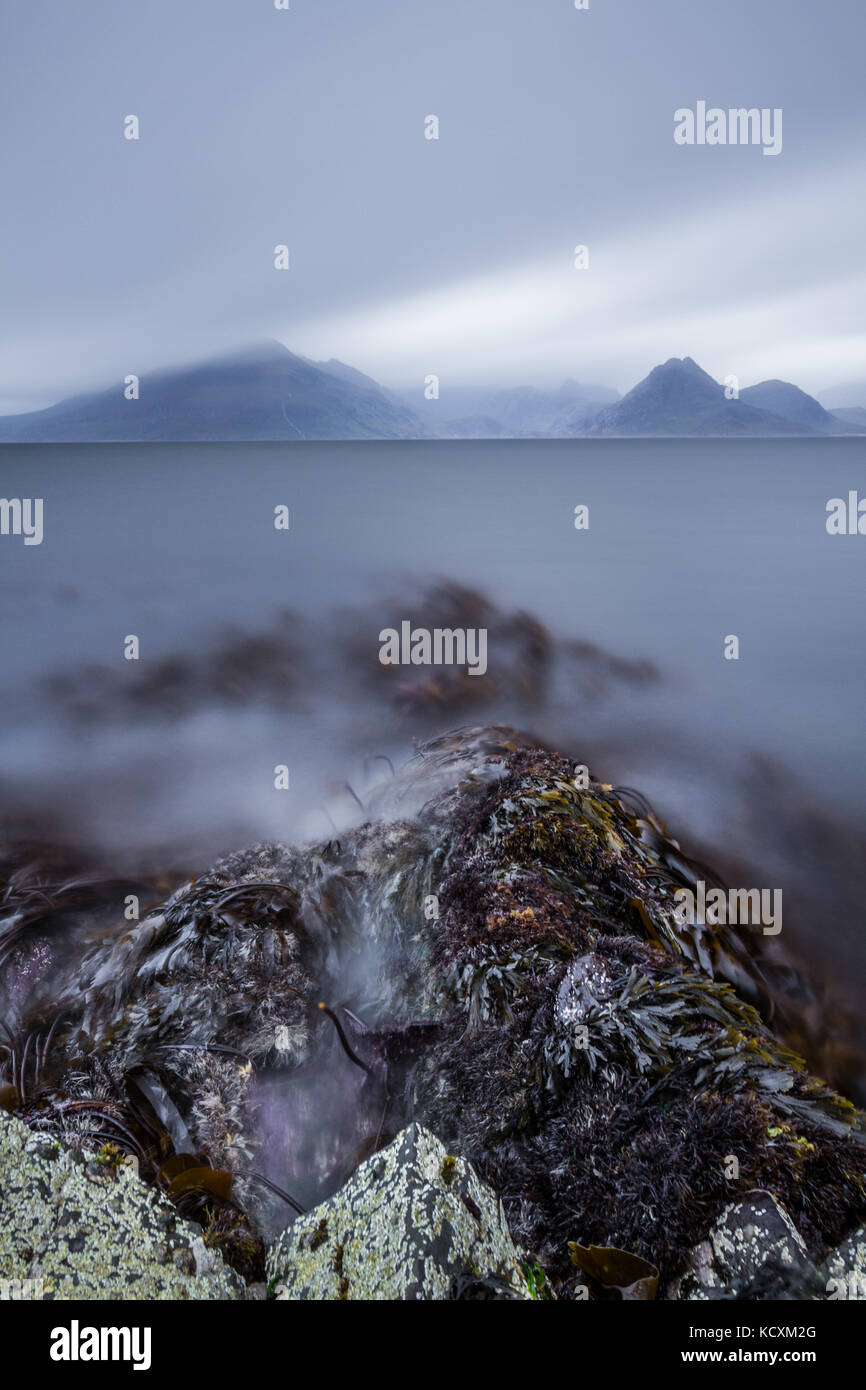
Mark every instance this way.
x=689 y=541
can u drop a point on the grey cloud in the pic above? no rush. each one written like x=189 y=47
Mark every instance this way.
x=306 y=127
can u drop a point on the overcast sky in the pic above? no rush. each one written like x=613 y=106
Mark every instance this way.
x=411 y=256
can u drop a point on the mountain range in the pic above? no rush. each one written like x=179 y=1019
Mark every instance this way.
x=680 y=398
x=265 y=392
x=269 y=393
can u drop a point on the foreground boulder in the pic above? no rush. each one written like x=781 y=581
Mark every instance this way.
x=753 y=1251
x=412 y=1223
x=843 y=1274
x=79 y=1227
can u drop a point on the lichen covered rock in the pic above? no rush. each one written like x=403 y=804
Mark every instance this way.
x=77 y=1227
x=412 y=1223
x=753 y=1251
x=843 y=1273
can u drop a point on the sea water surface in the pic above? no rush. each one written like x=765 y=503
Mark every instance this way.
x=689 y=542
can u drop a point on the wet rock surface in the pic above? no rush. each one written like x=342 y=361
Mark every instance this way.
x=753 y=1251
x=412 y=1223
x=843 y=1273
x=501 y=962
x=75 y=1227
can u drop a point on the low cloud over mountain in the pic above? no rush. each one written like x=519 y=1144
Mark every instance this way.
x=270 y=393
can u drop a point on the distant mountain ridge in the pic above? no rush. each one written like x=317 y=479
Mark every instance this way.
x=852 y=415
x=680 y=398
x=515 y=412
x=265 y=393
x=850 y=396
x=270 y=393
x=782 y=399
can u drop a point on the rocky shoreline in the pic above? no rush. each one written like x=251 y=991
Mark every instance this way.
x=474 y=1033
x=412 y=1223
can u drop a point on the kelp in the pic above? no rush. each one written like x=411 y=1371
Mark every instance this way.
x=607 y=1063
x=494 y=954
x=616 y=1271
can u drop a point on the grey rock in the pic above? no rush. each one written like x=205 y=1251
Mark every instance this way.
x=754 y=1250
x=843 y=1273
x=412 y=1222
x=74 y=1228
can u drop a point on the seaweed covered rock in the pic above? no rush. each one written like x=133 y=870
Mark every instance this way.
x=74 y=1226
x=412 y=1223
x=501 y=962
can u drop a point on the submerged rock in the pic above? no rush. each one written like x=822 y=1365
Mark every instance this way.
x=412 y=1223
x=74 y=1226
